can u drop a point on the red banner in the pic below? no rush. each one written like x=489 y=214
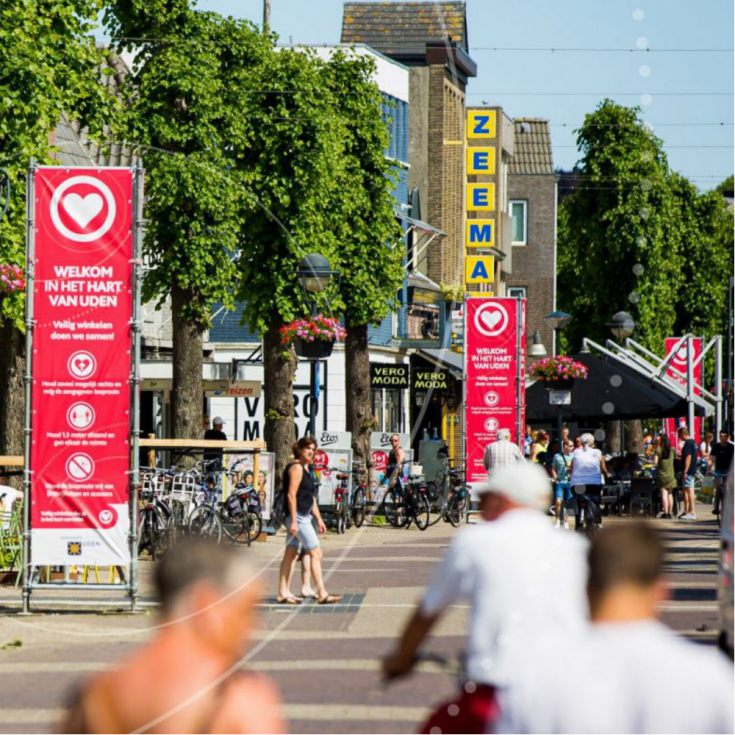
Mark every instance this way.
x=495 y=335
x=679 y=364
x=80 y=399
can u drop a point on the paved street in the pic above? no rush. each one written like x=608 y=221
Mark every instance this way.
x=325 y=660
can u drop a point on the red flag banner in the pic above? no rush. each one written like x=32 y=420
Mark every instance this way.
x=493 y=348
x=80 y=395
x=677 y=371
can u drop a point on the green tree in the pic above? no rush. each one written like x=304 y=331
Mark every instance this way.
x=49 y=67
x=184 y=101
x=370 y=255
x=619 y=243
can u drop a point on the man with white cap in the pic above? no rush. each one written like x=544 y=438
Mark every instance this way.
x=525 y=581
x=215 y=434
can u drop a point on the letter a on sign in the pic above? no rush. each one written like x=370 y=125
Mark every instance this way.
x=479 y=269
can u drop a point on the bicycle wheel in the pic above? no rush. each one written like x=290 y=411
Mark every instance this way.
x=457 y=510
x=204 y=522
x=421 y=512
x=236 y=529
x=358 y=508
x=437 y=503
x=255 y=525
x=395 y=509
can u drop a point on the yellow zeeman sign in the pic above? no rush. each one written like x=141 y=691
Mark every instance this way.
x=480 y=233
x=480 y=124
x=479 y=269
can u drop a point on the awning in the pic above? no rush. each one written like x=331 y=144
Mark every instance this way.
x=445 y=359
x=612 y=391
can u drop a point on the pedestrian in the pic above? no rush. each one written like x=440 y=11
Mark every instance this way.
x=665 y=475
x=213 y=457
x=528 y=440
x=501 y=453
x=688 y=473
x=523 y=580
x=720 y=461
x=299 y=491
x=539 y=447
x=186 y=678
x=396 y=458
x=616 y=676
x=561 y=473
x=705 y=449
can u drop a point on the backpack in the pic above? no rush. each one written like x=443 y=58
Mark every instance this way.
x=278 y=509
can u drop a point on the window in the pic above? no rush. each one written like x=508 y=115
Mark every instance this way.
x=517 y=292
x=519 y=215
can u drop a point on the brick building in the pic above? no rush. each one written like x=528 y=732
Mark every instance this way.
x=532 y=208
x=430 y=39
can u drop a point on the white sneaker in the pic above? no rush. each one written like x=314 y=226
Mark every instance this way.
x=557 y=524
x=566 y=523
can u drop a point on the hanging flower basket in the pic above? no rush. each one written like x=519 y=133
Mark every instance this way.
x=559 y=373
x=11 y=278
x=312 y=338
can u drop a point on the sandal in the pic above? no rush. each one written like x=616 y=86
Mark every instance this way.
x=329 y=599
x=290 y=600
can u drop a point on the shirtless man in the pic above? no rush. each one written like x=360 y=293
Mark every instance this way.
x=182 y=680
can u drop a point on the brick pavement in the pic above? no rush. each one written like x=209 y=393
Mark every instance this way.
x=325 y=660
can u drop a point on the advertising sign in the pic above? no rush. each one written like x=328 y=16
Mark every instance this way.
x=679 y=364
x=80 y=395
x=329 y=461
x=494 y=347
x=388 y=375
x=265 y=482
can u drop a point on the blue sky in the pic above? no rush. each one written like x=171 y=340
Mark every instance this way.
x=696 y=142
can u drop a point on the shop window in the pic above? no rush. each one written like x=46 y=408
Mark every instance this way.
x=517 y=292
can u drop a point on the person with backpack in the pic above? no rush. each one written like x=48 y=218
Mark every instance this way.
x=299 y=492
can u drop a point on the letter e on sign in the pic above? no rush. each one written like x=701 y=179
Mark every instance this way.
x=480 y=161
x=480 y=197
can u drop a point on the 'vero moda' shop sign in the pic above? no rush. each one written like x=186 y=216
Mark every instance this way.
x=495 y=334
x=80 y=396
x=388 y=375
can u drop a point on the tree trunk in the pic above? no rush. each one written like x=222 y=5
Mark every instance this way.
x=357 y=389
x=279 y=364
x=188 y=389
x=634 y=436
x=612 y=435
x=12 y=364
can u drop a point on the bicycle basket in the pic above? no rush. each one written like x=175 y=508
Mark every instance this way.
x=233 y=504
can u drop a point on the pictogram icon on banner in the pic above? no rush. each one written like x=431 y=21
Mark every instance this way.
x=82 y=208
x=491 y=319
x=79 y=467
x=491 y=398
x=81 y=365
x=80 y=416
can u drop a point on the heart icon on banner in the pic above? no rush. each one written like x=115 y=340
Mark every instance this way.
x=491 y=319
x=82 y=209
x=81 y=365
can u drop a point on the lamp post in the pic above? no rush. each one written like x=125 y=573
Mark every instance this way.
x=537 y=348
x=557 y=320
x=622 y=326
x=314 y=276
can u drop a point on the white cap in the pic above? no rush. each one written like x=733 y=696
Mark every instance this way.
x=217 y=420
x=525 y=483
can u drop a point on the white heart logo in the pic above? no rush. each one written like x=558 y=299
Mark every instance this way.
x=83 y=209
x=490 y=318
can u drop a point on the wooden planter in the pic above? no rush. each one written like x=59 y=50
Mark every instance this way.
x=316 y=350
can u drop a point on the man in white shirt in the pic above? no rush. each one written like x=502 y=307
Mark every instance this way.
x=525 y=582
x=621 y=676
x=501 y=453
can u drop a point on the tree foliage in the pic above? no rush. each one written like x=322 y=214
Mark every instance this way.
x=49 y=66
x=634 y=236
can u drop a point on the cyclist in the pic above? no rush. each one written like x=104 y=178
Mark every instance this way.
x=588 y=467
x=719 y=462
x=186 y=678
x=523 y=580
x=617 y=676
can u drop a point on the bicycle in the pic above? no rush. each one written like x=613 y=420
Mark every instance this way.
x=718 y=498
x=587 y=512
x=404 y=505
x=154 y=530
x=459 y=500
x=233 y=518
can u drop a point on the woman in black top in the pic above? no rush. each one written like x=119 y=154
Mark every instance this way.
x=301 y=504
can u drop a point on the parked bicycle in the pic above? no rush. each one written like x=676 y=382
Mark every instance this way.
x=458 y=503
x=406 y=504
x=154 y=529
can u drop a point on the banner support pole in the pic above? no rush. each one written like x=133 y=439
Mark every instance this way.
x=138 y=225
x=520 y=383
x=28 y=383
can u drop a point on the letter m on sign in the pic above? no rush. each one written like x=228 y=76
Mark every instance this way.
x=480 y=233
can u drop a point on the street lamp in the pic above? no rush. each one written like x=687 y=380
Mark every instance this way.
x=314 y=275
x=537 y=348
x=621 y=325
x=557 y=320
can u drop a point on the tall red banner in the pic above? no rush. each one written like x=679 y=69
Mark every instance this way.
x=679 y=364
x=495 y=336
x=80 y=396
